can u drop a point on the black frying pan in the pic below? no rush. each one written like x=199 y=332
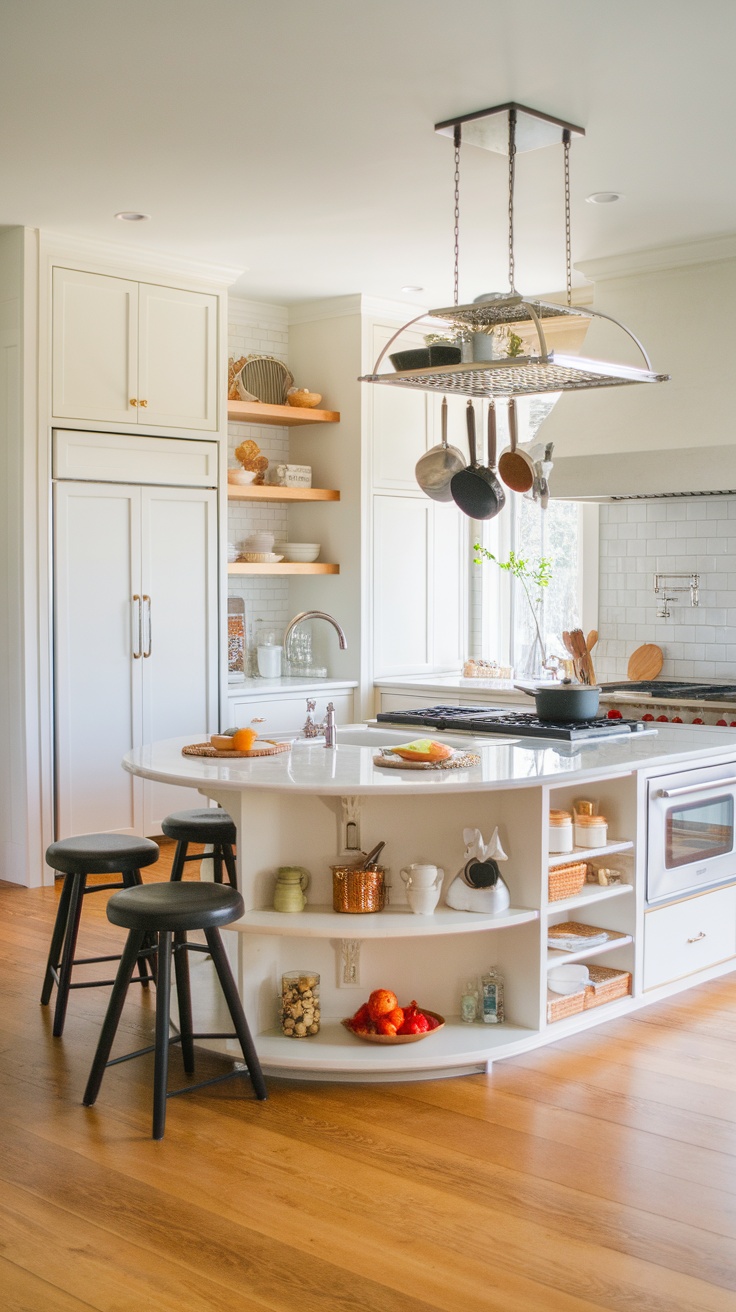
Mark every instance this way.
x=495 y=481
x=474 y=488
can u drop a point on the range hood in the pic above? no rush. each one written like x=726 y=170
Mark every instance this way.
x=646 y=475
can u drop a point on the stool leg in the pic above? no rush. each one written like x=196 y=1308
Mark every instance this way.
x=132 y=878
x=229 y=856
x=67 y=960
x=112 y=1015
x=235 y=1007
x=161 y=1054
x=184 y=998
x=57 y=938
x=177 y=865
x=217 y=862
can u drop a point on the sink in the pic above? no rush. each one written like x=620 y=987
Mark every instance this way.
x=361 y=735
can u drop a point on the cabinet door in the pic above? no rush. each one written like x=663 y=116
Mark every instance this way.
x=97 y=571
x=179 y=587
x=177 y=365
x=401 y=585
x=95 y=347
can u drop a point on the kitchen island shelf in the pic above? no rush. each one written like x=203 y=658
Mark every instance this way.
x=243 y=567
x=334 y=1049
x=589 y=853
x=280 y=416
x=555 y=957
x=394 y=922
x=272 y=492
x=590 y=893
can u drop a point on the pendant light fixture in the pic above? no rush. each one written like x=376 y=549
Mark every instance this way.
x=509 y=129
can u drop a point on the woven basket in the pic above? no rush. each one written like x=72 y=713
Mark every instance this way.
x=355 y=890
x=562 y=1005
x=610 y=985
x=566 y=881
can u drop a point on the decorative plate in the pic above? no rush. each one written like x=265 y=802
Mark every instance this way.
x=398 y=1038
x=264 y=378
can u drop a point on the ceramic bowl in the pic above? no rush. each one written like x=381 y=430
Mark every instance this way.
x=417 y=359
x=241 y=476
x=567 y=979
x=398 y=1038
x=300 y=552
x=262 y=557
x=302 y=397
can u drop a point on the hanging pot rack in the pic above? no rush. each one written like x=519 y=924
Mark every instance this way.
x=508 y=129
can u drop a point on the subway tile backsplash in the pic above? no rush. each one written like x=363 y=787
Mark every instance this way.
x=687 y=535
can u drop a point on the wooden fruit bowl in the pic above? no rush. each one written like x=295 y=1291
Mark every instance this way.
x=307 y=400
x=398 y=1038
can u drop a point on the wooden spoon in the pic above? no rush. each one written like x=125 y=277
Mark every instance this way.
x=591 y=639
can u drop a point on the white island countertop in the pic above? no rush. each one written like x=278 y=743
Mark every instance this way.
x=309 y=767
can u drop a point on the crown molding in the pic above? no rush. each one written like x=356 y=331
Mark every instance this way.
x=259 y=314
x=656 y=259
x=133 y=259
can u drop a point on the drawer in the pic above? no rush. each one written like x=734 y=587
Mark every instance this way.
x=287 y=714
x=689 y=936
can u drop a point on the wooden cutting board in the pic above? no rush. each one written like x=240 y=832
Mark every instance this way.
x=646 y=662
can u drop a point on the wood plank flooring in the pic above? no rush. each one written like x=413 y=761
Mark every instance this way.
x=597 y=1173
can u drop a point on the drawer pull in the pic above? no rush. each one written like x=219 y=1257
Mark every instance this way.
x=698 y=937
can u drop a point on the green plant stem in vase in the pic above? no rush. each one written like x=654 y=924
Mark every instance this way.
x=533 y=576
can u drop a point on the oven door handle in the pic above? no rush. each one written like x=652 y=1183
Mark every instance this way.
x=713 y=786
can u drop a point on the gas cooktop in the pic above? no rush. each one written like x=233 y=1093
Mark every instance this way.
x=484 y=719
x=671 y=689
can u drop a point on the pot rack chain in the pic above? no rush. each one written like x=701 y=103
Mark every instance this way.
x=512 y=179
x=457 y=138
x=566 y=136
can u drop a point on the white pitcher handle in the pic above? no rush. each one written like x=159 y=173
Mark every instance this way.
x=405 y=875
x=440 y=876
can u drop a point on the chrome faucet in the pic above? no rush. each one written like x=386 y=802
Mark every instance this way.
x=330 y=739
x=312 y=615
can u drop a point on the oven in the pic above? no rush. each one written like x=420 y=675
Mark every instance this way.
x=691 y=831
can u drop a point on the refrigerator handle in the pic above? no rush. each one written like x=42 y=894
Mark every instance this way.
x=147 y=600
x=136 y=621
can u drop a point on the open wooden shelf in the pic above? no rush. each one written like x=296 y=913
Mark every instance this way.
x=243 y=567
x=271 y=492
x=280 y=416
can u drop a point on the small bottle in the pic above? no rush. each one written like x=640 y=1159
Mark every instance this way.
x=469 y=1002
x=492 y=997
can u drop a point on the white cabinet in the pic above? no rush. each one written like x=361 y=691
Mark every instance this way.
x=126 y=352
x=689 y=936
x=135 y=625
x=288 y=712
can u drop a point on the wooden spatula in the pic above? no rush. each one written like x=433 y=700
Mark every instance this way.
x=591 y=639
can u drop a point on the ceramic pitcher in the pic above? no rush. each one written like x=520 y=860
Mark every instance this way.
x=291 y=884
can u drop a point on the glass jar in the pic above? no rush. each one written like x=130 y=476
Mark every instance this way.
x=492 y=1004
x=591 y=831
x=300 y=1009
x=560 y=832
x=469 y=1002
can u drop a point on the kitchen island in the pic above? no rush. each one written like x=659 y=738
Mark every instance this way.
x=308 y=806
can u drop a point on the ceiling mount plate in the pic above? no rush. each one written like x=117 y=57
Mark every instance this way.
x=489 y=128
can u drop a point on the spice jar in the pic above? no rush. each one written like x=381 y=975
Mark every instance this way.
x=560 y=831
x=300 y=1009
x=591 y=831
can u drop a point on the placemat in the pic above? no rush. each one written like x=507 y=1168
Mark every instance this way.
x=461 y=762
x=206 y=749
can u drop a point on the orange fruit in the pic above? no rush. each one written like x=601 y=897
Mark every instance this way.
x=244 y=739
x=381 y=1002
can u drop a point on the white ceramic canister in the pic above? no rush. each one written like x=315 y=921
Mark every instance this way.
x=421 y=876
x=560 y=832
x=423 y=900
x=591 y=831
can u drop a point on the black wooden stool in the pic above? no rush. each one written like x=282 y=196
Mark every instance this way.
x=169 y=911
x=90 y=854
x=212 y=826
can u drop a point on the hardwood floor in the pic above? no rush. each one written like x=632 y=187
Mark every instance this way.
x=597 y=1173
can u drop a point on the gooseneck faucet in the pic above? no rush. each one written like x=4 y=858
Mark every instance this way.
x=312 y=615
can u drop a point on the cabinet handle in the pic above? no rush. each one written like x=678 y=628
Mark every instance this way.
x=713 y=785
x=143 y=403
x=136 y=625
x=133 y=401
x=698 y=937
x=147 y=600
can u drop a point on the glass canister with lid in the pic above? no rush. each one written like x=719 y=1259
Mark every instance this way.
x=300 y=1006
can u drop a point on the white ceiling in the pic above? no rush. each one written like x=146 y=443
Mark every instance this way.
x=294 y=139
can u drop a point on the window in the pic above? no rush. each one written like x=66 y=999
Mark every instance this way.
x=567 y=534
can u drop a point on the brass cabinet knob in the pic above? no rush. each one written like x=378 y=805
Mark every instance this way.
x=143 y=403
x=133 y=401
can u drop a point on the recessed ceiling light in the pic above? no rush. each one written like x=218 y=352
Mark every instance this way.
x=130 y=216
x=412 y=289
x=604 y=197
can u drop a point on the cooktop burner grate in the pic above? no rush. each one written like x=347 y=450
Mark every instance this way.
x=485 y=720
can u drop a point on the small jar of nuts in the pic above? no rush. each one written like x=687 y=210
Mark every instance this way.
x=300 y=1009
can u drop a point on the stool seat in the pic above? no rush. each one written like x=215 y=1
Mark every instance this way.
x=101 y=854
x=174 y=907
x=167 y=911
x=210 y=825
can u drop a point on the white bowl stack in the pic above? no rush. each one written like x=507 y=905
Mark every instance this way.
x=300 y=553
